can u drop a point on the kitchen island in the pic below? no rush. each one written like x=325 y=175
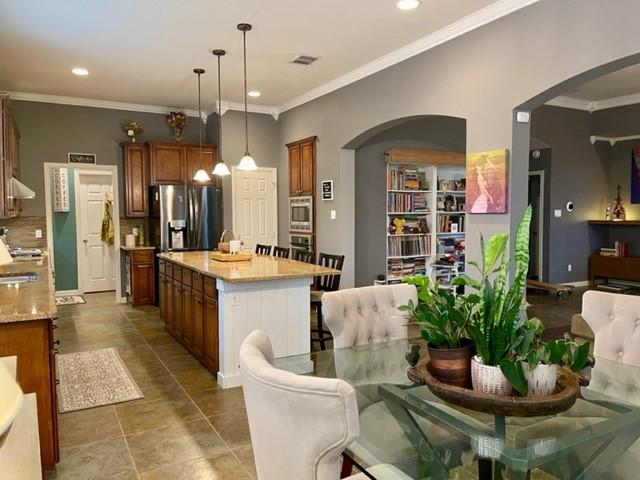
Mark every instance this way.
x=211 y=306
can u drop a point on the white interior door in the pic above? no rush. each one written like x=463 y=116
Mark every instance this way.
x=97 y=259
x=255 y=212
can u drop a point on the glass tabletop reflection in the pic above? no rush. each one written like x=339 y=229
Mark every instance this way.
x=406 y=425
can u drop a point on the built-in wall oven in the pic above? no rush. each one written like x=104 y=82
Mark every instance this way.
x=301 y=214
x=301 y=241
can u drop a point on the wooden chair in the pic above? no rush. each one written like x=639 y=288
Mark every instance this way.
x=302 y=255
x=326 y=283
x=263 y=249
x=281 y=252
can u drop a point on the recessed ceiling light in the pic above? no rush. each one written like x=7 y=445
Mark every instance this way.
x=408 y=4
x=253 y=93
x=81 y=72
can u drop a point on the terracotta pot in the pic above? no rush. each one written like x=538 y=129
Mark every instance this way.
x=488 y=378
x=542 y=379
x=452 y=365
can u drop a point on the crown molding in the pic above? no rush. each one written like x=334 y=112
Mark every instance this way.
x=574 y=103
x=239 y=107
x=464 y=25
x=96 y=103
x=595 y=105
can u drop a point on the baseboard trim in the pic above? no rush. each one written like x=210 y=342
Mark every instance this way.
x=582 y=283
x=66 y=293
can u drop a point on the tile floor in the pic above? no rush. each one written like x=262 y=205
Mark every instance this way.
x=184 y=428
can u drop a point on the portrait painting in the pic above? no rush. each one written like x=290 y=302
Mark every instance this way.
x=487 y=181
x=635 y=175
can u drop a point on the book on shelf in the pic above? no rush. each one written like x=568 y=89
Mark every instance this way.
x=620 y=249
x=401 y=246
x=405 y=178
x=451 y=224
x=406 y=267
x=407 y=202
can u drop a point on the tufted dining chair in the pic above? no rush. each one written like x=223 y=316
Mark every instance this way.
x=357 y=316
x=614 y=320
x=299 y=425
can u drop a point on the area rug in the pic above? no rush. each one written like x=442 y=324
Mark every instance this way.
x=93 y=379
x=70 y=300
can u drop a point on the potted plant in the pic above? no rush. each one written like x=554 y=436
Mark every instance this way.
x=497 y=315
x=533 y=368
x=443 y=318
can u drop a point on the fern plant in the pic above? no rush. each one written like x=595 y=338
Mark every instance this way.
x=497 y=315
x=442 y=316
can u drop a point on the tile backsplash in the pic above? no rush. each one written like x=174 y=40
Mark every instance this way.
x=22 y=231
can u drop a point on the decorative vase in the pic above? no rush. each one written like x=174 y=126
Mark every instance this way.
x=488 y=378
x=542 y=379
x=452 y=365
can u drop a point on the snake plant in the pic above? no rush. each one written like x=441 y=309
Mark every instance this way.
x=497 y=315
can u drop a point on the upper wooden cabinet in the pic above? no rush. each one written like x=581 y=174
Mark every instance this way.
x=9 y=158
x=168 y=163
x=302 y=167
x=135 y=165
x=205 y=160
x=161 y=163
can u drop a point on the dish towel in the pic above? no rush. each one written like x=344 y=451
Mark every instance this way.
x=107 y=223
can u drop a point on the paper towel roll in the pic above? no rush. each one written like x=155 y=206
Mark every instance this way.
x=130 y=240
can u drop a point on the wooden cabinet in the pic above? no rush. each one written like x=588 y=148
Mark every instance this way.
x=9 y=158
x=32 y=342
x=302 y=167
x=135 y=166
x=197 y=161
x=620 y=268
x=189 y=308
x=168 y=163
x=141 y=288
x=161 y=163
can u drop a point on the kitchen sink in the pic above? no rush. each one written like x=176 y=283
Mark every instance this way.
x=18 y=277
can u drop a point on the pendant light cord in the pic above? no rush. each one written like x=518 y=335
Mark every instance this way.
x=219 y=114
x=200 y=118
x=246 y=119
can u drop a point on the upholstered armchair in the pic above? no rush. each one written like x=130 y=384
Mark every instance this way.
x=299 y=425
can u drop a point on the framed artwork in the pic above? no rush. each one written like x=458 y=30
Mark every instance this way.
x=635 y=175
x=82 y=158
x=327 y=189
x=60 y=190
x=487 y=181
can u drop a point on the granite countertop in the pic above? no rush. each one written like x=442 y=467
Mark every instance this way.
x=30 y=300
x=260 y=267
x=137 y=247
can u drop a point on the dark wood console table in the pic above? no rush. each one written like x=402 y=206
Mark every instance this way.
x=621 y=268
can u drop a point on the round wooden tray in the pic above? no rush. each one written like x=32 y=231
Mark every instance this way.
x=562 y=399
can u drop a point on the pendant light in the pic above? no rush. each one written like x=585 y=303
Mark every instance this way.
x=201 y=175
x=221 y=168
x=247 y=162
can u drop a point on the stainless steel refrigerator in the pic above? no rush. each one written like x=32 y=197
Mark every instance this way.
x=185 y=217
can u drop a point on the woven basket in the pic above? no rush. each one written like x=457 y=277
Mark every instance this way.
x=542 y=379
x=488 y=379
x=222 y=245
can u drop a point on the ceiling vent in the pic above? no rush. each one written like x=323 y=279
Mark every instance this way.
x=304 y=59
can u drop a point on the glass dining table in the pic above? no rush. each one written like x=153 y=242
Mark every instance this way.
x=405 y=425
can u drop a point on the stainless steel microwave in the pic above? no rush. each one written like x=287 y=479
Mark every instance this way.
x=301 y=214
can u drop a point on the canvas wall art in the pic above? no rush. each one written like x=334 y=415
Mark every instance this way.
x=635 y=175
x=487 y=181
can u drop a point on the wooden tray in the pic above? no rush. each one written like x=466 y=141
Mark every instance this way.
x=228 y=257
x=562 y=399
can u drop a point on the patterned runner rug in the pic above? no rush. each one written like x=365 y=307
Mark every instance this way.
x=92 y=379
x=70 y=300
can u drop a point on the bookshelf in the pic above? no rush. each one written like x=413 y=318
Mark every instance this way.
x=425 y=215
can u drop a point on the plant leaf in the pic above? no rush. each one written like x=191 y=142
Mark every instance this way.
x=580 y=356
x=515 y=374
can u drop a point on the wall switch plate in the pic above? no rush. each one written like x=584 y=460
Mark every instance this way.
x=557 y=213
x=569 y=267
x=523 y=117
x=333 y=214
x=38 y=233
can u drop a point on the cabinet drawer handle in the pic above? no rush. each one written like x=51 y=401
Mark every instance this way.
x=57 y=382
x=55 y=350
x=57 y=342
